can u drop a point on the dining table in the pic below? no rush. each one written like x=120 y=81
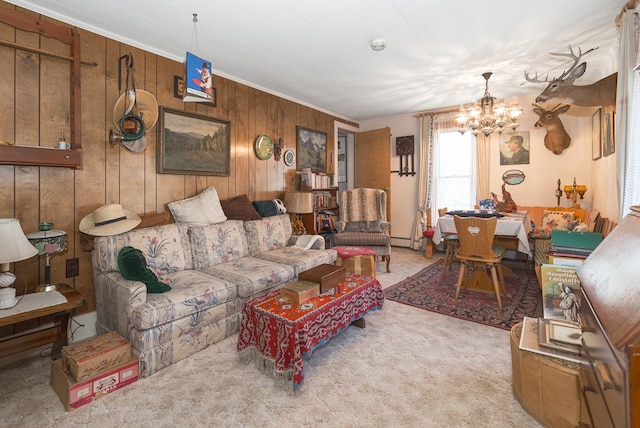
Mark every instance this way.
x=510 y=227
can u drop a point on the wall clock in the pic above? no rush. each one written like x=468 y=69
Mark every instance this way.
x=289 y=157
x=264 y=147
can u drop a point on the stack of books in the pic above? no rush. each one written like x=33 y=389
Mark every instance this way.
x=572 y=248
x=559 y=333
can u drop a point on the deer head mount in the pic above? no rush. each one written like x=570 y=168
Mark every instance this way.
x=557 y=138
x=561 y=89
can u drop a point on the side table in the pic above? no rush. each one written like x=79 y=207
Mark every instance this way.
x=56 y=334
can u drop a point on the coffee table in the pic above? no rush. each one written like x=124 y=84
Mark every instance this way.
x=279 y=334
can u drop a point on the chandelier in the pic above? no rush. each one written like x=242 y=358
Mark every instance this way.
x=488 y=115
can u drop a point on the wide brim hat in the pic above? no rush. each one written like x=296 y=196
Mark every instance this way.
x=138 y=102
x=109 y=220
x=135 y=146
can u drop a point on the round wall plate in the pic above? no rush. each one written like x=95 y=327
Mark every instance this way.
x=264 y=147
x=289 y=157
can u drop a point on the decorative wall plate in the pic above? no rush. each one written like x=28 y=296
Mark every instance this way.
x=289 y=157
x=264 y=147
x=513 y=177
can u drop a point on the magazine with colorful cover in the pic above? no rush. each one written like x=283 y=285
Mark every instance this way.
x=198 y=85
x=561 y=293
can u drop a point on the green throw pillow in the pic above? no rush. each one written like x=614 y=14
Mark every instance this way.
x=133 y=266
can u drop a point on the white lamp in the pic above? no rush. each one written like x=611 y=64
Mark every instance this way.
x=48 y=242
x=15 y=247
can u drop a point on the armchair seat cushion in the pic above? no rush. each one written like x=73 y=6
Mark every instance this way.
x=359 y=239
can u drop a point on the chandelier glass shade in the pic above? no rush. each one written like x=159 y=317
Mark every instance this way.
x=488 y=114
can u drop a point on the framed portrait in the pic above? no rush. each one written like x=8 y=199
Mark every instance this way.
x=514 y=148
x=596 y=135
x=311 y=150
x=193 y=144
x=608 y=131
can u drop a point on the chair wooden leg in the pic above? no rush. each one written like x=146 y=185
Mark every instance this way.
x=388 y=259
x=502 y=283
x=496 y=286
x=460 y=276
x=428 y=249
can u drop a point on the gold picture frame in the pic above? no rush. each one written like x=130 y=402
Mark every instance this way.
x=193 y=144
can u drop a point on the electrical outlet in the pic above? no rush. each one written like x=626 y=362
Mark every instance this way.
x=73 y=267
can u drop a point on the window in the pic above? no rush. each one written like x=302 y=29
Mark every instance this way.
x=454 y=170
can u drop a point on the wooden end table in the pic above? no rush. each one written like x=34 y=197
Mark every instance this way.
x=56 y=334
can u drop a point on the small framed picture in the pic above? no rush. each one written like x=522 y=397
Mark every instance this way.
x=311 y=149
x=596 y=136
x=608 y=132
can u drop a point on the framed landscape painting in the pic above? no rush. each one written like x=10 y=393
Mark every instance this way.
x=596 y=136
x=193 y=144
x=311 y=150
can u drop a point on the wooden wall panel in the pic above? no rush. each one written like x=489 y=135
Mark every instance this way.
x=36 y=102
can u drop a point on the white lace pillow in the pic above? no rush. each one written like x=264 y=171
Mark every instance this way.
x=201 y=210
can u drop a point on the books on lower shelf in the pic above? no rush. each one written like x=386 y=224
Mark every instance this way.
x=561 y=295
x=530 y=340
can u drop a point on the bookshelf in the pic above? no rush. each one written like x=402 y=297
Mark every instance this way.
x=325 y=211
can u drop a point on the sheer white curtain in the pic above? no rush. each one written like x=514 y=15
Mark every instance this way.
x=627 y=114
x=424 y=182
x=454 y=171
x=483 y=152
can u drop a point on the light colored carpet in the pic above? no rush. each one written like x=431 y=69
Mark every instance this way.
x=407 y=368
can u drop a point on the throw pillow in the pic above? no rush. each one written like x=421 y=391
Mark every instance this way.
x=556 y=219
x=266 y=208
x=133 y=266
x=239 y=208
x=202 y=209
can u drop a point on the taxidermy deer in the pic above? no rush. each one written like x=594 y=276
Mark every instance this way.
x=557 y=138
x=561 y=89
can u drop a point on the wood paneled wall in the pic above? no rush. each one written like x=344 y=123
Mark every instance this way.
x=34 y=109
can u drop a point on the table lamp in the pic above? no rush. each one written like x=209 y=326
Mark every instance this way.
x=48 y=242
x=298 y=203
x=14 y=248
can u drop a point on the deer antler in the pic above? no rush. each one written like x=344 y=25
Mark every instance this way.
x=571 y=54
x=535 y=79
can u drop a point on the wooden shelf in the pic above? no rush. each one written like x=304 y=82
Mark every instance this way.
x=40 y=156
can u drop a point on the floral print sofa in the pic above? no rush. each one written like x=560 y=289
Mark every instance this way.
x=212 y=271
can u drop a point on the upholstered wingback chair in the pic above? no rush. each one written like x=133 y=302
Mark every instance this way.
x=363 y=221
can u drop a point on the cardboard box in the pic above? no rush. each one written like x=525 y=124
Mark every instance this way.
x=75 y=394
x=328 y=276
x=90 y=357
x=361 y=265
x=300 y=291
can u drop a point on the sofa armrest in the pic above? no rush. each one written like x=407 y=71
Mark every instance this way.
x=116 y=299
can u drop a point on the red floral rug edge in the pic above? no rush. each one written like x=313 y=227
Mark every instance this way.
x=427 y=290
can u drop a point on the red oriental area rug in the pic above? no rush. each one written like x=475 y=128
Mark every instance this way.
x=427 y=290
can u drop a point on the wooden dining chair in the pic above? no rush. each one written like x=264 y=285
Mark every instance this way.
x=477 y=253
x=450 y=245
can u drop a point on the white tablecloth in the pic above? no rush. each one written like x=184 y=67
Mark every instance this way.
x=513 y=224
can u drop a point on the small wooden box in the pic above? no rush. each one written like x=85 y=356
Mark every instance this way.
x=328 y=276
x=300 y=291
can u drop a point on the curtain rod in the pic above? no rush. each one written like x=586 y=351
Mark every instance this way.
x=631 y=4
x=437 y=111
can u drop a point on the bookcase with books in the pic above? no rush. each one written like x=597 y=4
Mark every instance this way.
x=325 y=203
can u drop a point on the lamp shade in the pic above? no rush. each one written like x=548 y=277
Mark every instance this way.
x=48 y=241
x=298 y=202
x=15 y=246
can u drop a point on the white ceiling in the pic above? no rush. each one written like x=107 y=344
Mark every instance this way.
x=317 y=52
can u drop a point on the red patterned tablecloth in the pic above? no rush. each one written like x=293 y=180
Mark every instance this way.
x=283 y=333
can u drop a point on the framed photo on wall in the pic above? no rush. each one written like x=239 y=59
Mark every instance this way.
x=596 y=135
x=514 y=148
x=311 y=149
x=193 y=144
x=608 y=131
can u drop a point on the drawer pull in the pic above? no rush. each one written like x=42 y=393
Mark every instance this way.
x=605 y=374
